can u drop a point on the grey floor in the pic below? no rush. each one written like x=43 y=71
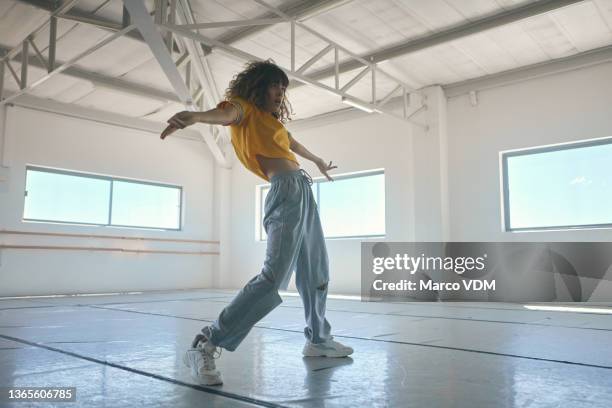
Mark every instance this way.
x=126 y=351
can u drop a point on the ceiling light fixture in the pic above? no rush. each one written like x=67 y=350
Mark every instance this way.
x=356 y=104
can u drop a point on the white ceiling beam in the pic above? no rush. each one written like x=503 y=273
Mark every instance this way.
x=105 y=81
x=67 y=68
x=307 y=9
x=314 y=59
x=25 y=53
x=160 y=11
x=582 y=60
x=243 y=55
x=347 y=114
x=66 y=10
x=12 y=71
x=1 y=79
x=300 y=10
x=327 y=118
x=65 y=65
x=315 y=9
x=98 y=22
x=195 y=51
x=65 y=7
x=357 y=77
x=182 y=60
x=288 y=18
x=237 y=23
x=217 y=138
x=387 y=98
x=80 y=16
x=473 y=27
x=370 y=67
x=139 y=16
x=39 y=55
x=96 y=115
x=52 y=42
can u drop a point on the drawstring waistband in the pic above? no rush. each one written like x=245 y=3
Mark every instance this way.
x=293 y=173
x=305 y=174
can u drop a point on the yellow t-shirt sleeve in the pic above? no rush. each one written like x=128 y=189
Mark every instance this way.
x=243 y=107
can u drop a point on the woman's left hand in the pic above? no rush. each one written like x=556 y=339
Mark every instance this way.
x=324 y=168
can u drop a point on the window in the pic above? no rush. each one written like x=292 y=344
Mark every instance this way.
x=564 y=186
x=350 y=206
x=78 y=198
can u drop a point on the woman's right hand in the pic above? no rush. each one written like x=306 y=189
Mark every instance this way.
x=179 y=121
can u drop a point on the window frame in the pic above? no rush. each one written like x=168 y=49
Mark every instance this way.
x=504 y=155
x=317 y=181
x=111 y=179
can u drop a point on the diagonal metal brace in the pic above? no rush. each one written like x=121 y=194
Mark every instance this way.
x=139 y=16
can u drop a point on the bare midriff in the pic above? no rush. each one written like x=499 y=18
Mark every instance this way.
x=271 y=166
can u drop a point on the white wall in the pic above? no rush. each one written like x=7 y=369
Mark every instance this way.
x=563 y=107
x=48 y=139
x=558 y=108
x=370 y=142
x=430 y=197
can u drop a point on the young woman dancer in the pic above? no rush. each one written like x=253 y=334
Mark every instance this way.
x=255 y=109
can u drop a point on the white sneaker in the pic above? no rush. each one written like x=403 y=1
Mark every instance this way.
x=201 y=360
x=330 y=348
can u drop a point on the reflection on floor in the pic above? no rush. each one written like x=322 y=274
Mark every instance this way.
x=127 y=351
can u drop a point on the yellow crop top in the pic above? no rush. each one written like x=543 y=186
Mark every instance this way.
x=257 y=132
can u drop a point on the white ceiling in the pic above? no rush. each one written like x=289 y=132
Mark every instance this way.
x=361 y=26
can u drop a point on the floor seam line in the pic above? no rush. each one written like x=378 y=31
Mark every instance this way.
x=147 y=374
x=384 y=341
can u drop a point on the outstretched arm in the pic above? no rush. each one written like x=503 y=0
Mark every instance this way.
x=216 y=116
x=299 y=149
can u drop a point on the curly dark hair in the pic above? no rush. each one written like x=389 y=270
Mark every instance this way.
x=253 y=82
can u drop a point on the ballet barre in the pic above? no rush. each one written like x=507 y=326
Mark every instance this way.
x=109 y=249
x=58 y=234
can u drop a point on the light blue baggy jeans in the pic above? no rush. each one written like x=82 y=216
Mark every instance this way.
x=295 y=241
